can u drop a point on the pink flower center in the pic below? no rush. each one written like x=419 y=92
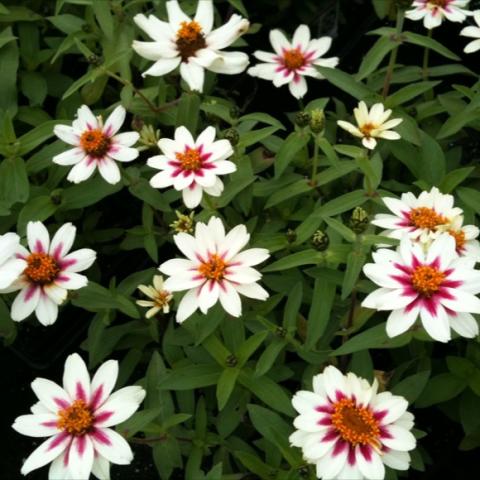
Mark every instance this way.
x=294 y=59
x=427 y=280
x=95 y=142
x=77 y=419
x=214 y=268
x=41 y=268
x=190 y=39
x=439 y=3
x=190 y=160
x=356 y=425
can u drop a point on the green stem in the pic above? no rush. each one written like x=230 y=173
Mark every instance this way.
x=150 y=105
x=393 y=53
x=426 y=57
x=315 y=160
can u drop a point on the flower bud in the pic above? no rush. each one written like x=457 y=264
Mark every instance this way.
x=320 y=240
x=231 y=134
x=317 y=121
x=149 y=136
x=302 y=119
x=359 y=220
x=183 y=224
x=291 y=235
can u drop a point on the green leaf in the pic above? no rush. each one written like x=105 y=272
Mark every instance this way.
x=374 y=57
x=295 y=142
x=346 y=82
x=412 y=386
x=249 y=346
x=292 y=307
x=104 y=17
x=34 y=87
x=9 y=60
x=295 y=189
x=35 y=137
x=341 y=229
x=355 y=261
x=405 y=94
x=256 y=136
x=320 y=311
x=88 y=193
x=142 y=189
x=267 y=391
x=190 y=376
x=67 y=23
x=433 y=163
x=375 y=337
x=14 y=186
x=188 y=112
x=305 y=257
x=454 y=178
x=262 y=117
x=441 y=388
x=36 y=209
x=269 y=356
x=471 y=197
x=225 y=385
x=137 y=422
x=430 y=43
x=255 y=465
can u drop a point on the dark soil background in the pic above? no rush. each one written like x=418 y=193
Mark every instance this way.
x=40 y=351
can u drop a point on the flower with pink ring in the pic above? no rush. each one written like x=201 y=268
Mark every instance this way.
x=349 y=430
x=215 y=269
x=77 y=419
x=50 y=271
x=294 y=60
x=192 y=166
x=96 y=145
x=434 y=11
x=434 y=284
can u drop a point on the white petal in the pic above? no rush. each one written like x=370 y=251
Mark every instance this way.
x=230 y=299
x=193 y=74
x=373 y=469
x=112 y=446
x=396 y=460
x=10 y=271
x=464 y=324
x=63 y=240
x=70 y=157
x=229 y=63
x=42 y=425
x=76 y=379
x=298 y=87
x=114 y=121
x=78 y=260
x=109 y=170
x=103 y=383
x=266 y=71
x=162 y=67
x=82 y=170
x=122 y=153
x=55 y=293
x=119 y=406
x=45 y=453
x=301 y=37
x=67 y=134
x=127 y=139
x=86 y=120
x=51 y=395
x=235 y=240
x=101 y=468
x=80 y=457
x=187 y=306
x=399 y=321
x=71 y=280
x=252 y=256
x=204 y=15
x=38 y=237
x=175 y=14
x=401 y=440
x=279 y=42
x=25 y=302
x=47 y=310
x=436 y=325
x=252 y=290
x=192 y=196
x=227 y=34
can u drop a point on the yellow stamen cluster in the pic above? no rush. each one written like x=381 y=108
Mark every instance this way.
x=190 y=159
x=427 y=280
x=424 y=217
x=190 y=39
x=293 y=59
x=77 y=419
x=459 y=236
x=356 y=425
x=41 y=268
x=95 y=142
x=214 y=269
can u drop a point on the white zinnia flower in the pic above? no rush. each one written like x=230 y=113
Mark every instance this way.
x=473 y=32
x=434 y=11
x=11 y=267
x=215 y=269
x=50 y=271
x=437 y=285
x=349 y=430
x=77 y=419
x=191 y=43
x=422 y=217
x=96 y=145
x=294 y=60
x=372 y=124
x=465 y=238
x=160 y=298
x=192 y=166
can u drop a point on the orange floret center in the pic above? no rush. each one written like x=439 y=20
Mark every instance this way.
x=41 y=268
x=214 y=269
x=459 y=236
x=95 y=142
x=427 y=280
x=367 y=129
x=439 y=3
x=190 y=39
x=424 y=217
x=77 y=419
x=191 y=159
x=356 y=425
x=293 y=59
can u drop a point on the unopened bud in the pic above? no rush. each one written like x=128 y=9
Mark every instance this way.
x=184 y=223
x=320 y=240
x=302 y=119
x=359 y=220
x=317 y=122
x=149 y=136
x=291 y=235
x=95 y=60
x=231 y=361
x=232 y=135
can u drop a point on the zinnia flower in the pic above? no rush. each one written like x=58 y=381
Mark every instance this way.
x=294 y=60
x=473 y=32
x=50 y=271
x=192 y=166
x=372 y=124
x=465 y=238
x=424 y=217
x=96 y=145
x=77 y=419
x=434 y=11
x=10 y=266
x=215 y=269
x=349 y=431
x=160 y=298
x=437 y=285
x=191 y=43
